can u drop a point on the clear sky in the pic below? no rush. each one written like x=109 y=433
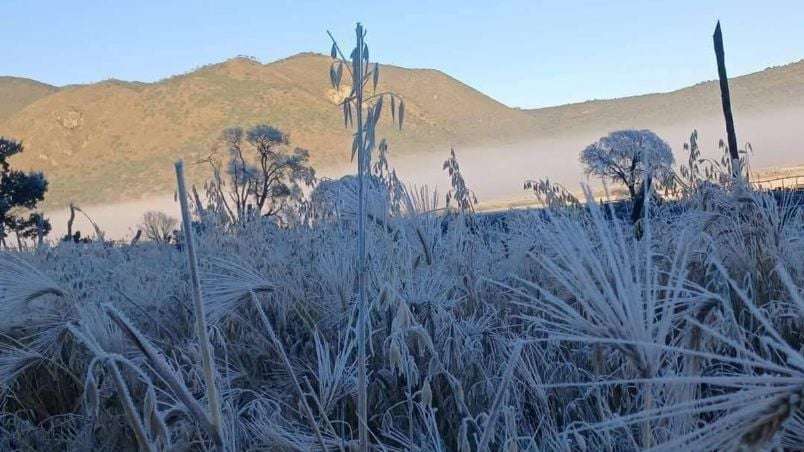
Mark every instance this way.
x=523 y=53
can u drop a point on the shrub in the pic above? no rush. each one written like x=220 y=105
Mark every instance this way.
x=158 y=226
x=19 y=191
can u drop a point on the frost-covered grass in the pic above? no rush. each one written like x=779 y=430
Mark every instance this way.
x=560 y=328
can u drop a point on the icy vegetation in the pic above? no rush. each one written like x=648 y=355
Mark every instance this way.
x=550 y=330
x=367 y=317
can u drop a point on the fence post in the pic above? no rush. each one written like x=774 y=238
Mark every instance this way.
x=726 y=99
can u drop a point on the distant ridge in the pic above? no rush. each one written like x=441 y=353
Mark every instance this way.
x=773 y=89
x=116 y=140
x=112 y=140
x=17 y=93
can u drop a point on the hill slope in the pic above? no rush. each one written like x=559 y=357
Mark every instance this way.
x=771 y=90
x=17 y=93
x=115 y=140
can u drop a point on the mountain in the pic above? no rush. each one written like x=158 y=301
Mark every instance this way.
x=771 y=90
x=115 y=141
x=17 y=93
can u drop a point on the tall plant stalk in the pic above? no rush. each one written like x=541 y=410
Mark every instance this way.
x=364 y=141
x=207 y=356
x=362 y=401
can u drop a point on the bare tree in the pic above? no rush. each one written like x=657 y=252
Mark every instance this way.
x=261 y=177
x=280 y=173
x=158 y=226
x=627 y=156
x=240 y=172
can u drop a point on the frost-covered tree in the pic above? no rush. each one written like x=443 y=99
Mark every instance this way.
x=626 y=156
x=19 y=192
x=279 y=173
x=158 y=226
x=261 y=175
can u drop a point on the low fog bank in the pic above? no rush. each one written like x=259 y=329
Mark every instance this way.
x=117 y=221
x=497 y=174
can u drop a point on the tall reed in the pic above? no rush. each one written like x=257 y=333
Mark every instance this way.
x=207 y=354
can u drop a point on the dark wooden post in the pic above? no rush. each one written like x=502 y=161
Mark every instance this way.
x=724 y=95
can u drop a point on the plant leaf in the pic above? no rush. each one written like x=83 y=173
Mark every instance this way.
x=401 y=113
x=376 y=75
x=377 y=110
x=334 y=51
x=338 y=75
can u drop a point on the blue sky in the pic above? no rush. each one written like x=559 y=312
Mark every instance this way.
x=523 y=53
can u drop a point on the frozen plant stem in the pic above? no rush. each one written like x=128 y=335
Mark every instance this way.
x=122 y=390
x=362 y=145
x=362 y=395
x=488 y=432
x=286 y=361
x=165 y=372
x=128 y=407
x=207 y=357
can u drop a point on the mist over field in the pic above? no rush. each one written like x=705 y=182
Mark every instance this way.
x=497 y=173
